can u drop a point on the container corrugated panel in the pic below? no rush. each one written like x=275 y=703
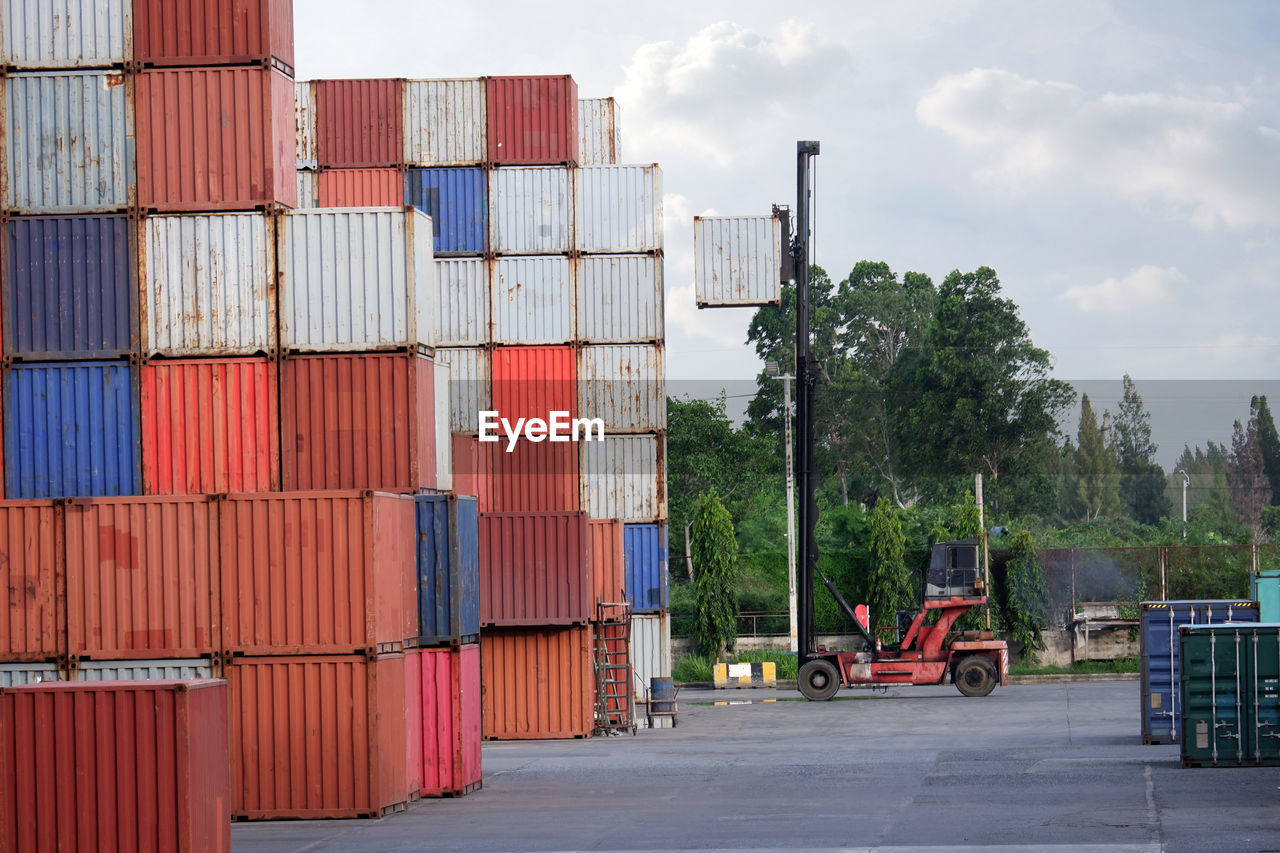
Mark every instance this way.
x=308 y=193
x=444 y=122
x=210 y=426
x=537 y=683
x=136 y=767
x=623 y=385
x=66 y=33
x=531 y=211
x=470 y=390
x=1265 y=586
x=71 y=430
x=533 y=382
x=1158 y=644
x=650 y=652
x=413 y=721
x=142 y=670
x=532 y=120
x=599 y=140
x=304 y=99
x=215 y=139
x=462 y=300
x=360 y=188
x=472 y=471
x=533 y=569
x=208 y=284
x=356 y=279
x=70 y=288
x=317 y=737
x=318 y=572
x=358 y=422
x=457 y=200
x=619 y=299
x=533 y=477
x=624 y=477
x=18 y=674
x=619 y=209
x=359 y=123
x=142 y=577
x=1230 y=695
x=737 y=260
x=448 y=570
x=33 y=626
x=450 y=701
x=533 y=300
x=68 y=143
x=608 y=566
x=646 y=558
x=213 y=32
x=443 y=436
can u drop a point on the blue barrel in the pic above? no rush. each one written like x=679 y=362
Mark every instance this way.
x=662 y=695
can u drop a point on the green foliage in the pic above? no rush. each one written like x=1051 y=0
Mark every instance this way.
x=890 y=588
x=1097 y=469
x=1026 y=609
x=1142 y=481
x=1083 y=667
x=1268 y=444
x=693 y=668
x=786 y=662
x=715 y=566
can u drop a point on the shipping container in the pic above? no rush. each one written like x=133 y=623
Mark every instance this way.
x=317 y=572
x=360 y=188
x=304 y=94
x=448 y=570
x=533 y=569
x=537 y=683
x=737 y=260
x=308 y=193
x=213 y=32
x=18 y=674
x=531 y=211
x=413 y=722
x=359 y=123
x=599 y=138
x=532 y=477
x=470 y=390
x=533 y=382
x=66 y=33
x=68 y=142
x=457 y=200
x=532 y=120
x=210 y=426
x=208 y=284
x=130 y=766
x=619 y=209
x=646 y=559
x=650 y=653
x=623 y=385
x=462 y=302
x=1230 y=688
x=443 y=436
x=619 y=299
x=215 y=139
x=358 y=422
x=608 y=567
x=472 y=470
x=70 y=288
x=1158 y=626
x=356 y=280
x=624 y=477
x=451 y=721
x=1265 y=587
x=533 y=300
x=136 y=670
x=317 y=737
x=71 y=430
x=33 y=627
x=444 y=122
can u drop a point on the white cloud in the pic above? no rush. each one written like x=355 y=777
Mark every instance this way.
x=1237 y=346
x=1145 y=286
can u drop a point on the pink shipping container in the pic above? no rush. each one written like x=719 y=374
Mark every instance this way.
x=213 y=32
x=101 y=766
x=608 y=567
x=318 y=572
x=450 y=707
x=360 y=188
x=532 y=120
x=33 y=624
x=537 y=683
x=359 y=123
x=533 y=569
x=317 y=737
x=413 y=722
x=210 y=426
x=533 y=382
x=142 y=577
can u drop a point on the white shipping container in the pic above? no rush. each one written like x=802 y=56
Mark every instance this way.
x=531 y=210
x=650 y=652
x=619 y=298
x=305 y=113
x=624 y=385
x=532 y=300
x=619 y=209
x=18 y=674
x=356 y=279
x=208 y=284
x=444 y=441
x=624 y=477
x=470 y=388
x=66 y=33
x=599 y=140
x=736 y=260
x=68 y=142
x=308 y=190
x=462 y=301
x=141 y=670
x=444 y=122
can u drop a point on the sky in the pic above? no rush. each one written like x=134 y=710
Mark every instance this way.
x=1116 y=163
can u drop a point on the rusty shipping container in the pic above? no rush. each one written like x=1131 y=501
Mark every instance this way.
x=533 y=569
x=318 y=572
x=532 y=120
x=624 y=477
x=533 y=300
x=537 y=683
x=360 y=188
x=308 y=194
x=359 y=123
x=317 y=737
x=448 y=581
x=624 y=386
x=215 y=139
x=304 y=94
x=38 y=34
x=618 y=209
x=210 y=426
x=213 y=32
x=531 y=210
x=599 y=139
x=470 y=385
x=449 y=680
x=33 y=624
x=129 y=766
x=620 y=299
x=737 y=260
x=444 y=122
x=608 y=569
x=533 y=382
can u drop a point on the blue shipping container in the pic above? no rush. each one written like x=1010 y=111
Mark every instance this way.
x=1158 y=640
x=71 y=430
x=457 y=201
x=645 y=547
x=448 y=570
x=70 y=288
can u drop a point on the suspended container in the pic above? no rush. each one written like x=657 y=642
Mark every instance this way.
x=66 y=33
x=737 y=260
x=308 y=191
x=451 y=721
x=20 y=674
x=1230 y=689
x=537 y=683
x=444 y=122
x=360 y=188
x=533 y=569
x=457 y=200
x=608 y=567
x=448 y=570
x=145 y=670
x=33 y=626
x=534 y=382
x=646 y=561
x=533 y=300
x=599 y=140
x=470 y=389
x=624 y=386
x=462 y=300
x=532 y=120
x=619 y=299
x=531 y=211
x=359 y=123
x=650 y=652
x=304 y=100
x=213 y=32
x=624 y=477
x=619 y=209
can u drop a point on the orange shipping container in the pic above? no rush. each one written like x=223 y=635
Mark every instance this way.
x=538 y=683
x=532 y=382
x=361 y=188
x=533 y=569
x=33 y=623
x=450 y=707
x=359 y=123
x=213 y=32
x=608 y=567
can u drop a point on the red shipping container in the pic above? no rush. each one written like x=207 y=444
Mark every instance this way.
x=142 y=577
x=533 y=569
x=537 y=683
x=450 y=707
x=413 y=721
x=33 y=622
x=358 y=422
x=318 y=572
x=361 y=188
x=210 y=426
x=215 y=139
x=317 y=737
x=213 y=32
x=359 y=123
x=471 y=471
x=532 y=120
x=607 y=568
x=533 y=477
x=533 y=382
x=131 y=766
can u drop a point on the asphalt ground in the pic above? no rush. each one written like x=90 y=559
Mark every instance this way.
x=1043 y=767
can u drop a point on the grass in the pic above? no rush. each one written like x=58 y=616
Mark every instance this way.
x=1085 y=667
x=700 y=667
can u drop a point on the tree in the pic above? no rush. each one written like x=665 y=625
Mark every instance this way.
x=1142 y=481
x=1268 y=443
x=715 y=560
x=1250 y=489
x=1097 y=473
x=1027 y=595
x=890 y=583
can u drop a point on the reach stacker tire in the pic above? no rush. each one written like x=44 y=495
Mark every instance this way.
x=976 y=676
x=819 y=680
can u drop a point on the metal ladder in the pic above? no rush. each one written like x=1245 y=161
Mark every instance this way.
x=612 y=634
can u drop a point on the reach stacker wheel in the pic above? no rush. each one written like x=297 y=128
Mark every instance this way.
x=819 y=680
x=976 y=676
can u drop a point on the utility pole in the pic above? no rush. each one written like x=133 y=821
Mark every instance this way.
x=807 y=371
x=1186 y=481
x=982 y=530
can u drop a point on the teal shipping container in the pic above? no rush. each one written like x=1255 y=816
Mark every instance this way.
x=1230 y=695
x=1266 y=591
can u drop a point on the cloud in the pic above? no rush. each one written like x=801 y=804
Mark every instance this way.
x=1145 y=286
x=1238 y=346
x=1208 y=158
